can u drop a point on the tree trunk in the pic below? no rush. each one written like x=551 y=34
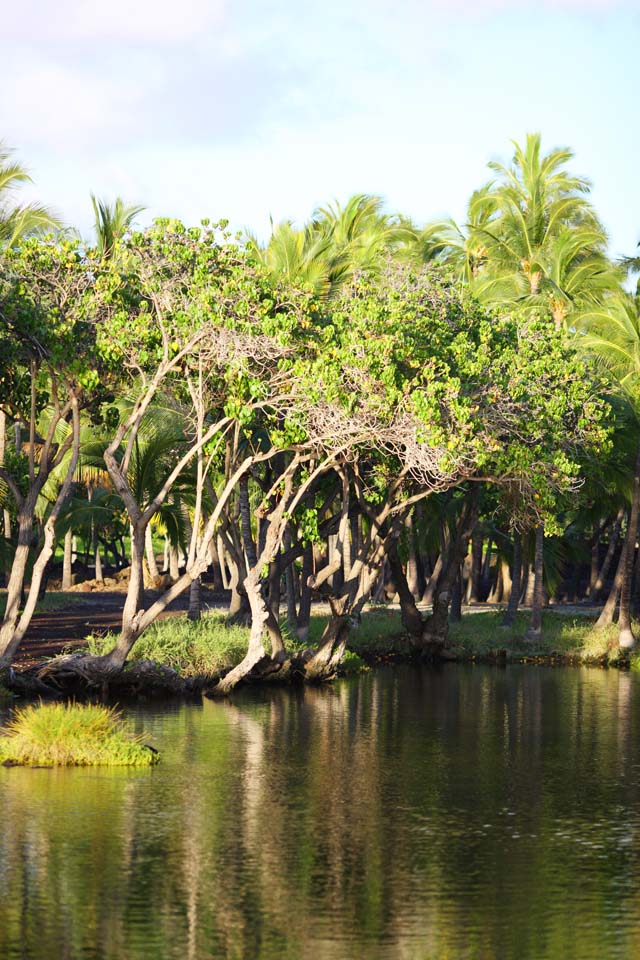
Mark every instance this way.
x=151 y=557
x=133 y=605
x=216 y=568
x=67 y=562
x=304 y=607
x=195 y=600
x=477 y=541
x=290 y=587
x=412 y=562
x=626 y=639
x=324 y=663
x=174 y=566
x=535 y=630
x=245 y=522
x=430 y=589
x=409 y=614
x=516 y=572
x=455 y=613
x=614 y=538
x=609 y=610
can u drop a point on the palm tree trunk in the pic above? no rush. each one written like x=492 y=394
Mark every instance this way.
x=626 y=639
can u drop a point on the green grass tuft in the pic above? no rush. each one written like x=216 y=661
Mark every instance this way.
x=71 y=734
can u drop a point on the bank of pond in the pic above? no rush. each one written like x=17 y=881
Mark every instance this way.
x=179 y=657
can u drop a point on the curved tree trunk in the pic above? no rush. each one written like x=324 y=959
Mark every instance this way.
x=325 y=661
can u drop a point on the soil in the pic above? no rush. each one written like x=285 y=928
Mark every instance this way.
x=66 y=628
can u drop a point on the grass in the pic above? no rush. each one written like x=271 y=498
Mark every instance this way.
x=202 y=648
x=209 y=646
x=71 y=734
x=565 y=636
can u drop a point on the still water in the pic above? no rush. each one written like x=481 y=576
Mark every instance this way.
x=408 y=814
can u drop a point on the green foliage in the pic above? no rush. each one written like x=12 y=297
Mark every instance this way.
x=71 y=734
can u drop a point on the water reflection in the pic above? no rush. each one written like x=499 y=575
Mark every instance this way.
x=409 y=814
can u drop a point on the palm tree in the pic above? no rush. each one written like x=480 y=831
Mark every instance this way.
x=303 y=257
x=360 y=233
x=611 y=334
x=461 y=247
x=19 y=220
x=542 y=244
x=112 y=222
x=337 y=242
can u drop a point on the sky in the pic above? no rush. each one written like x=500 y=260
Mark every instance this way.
x=251 y=109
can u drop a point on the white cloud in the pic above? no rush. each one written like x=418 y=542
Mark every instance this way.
x=146 y=22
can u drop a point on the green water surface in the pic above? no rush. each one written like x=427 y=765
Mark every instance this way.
x=409 y=814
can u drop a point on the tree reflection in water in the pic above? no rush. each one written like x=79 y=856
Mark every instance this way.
x=407 y=814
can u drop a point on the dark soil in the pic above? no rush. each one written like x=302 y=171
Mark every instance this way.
x=65 y=629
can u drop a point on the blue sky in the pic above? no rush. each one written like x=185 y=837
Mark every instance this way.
x=246 y=108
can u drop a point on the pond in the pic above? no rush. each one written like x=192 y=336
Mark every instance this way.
x=407 y=814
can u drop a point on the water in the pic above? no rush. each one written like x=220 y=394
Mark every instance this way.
x=409 y=814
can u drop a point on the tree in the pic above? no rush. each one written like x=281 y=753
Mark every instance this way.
x=611 y=334
x=47 y=375
x=542 y=244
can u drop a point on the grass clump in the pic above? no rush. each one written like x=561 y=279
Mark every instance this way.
x=71 y=734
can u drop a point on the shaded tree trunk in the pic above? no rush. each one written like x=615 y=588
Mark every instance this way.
x=304 y=608
x=477 y=541
x=609 y=610
x=535 y=630
x=516 y=572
